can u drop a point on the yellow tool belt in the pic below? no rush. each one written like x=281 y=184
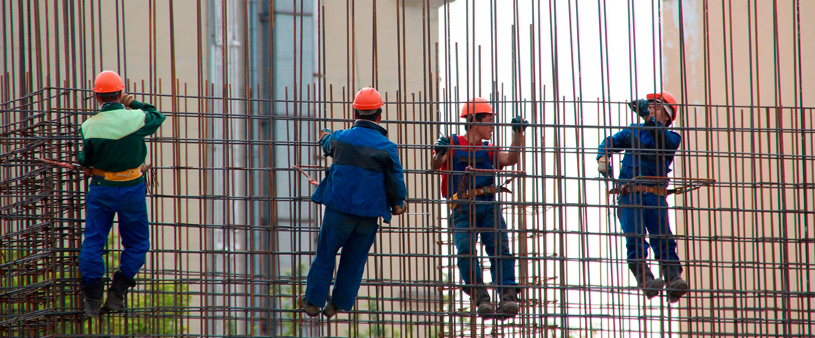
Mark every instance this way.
x=117 y=176
x=470 y=194
x=629 y=189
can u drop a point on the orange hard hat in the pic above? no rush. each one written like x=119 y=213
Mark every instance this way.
x=108 y=82
x=668 y=99
x=476 y=106
x=368 y=99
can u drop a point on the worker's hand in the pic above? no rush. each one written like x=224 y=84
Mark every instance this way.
x=126 y=99
x=398 y=210
x=640 y=107
x=441 y=145
x=604 y=166
x=324 y=132
x=519 y=124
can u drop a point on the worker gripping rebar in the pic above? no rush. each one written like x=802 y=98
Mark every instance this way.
x=365 y=182
x=113 y=149
x=470 y=188
x=641 y=204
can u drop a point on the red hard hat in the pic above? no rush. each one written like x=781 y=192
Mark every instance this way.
x=668 y=99
x=368 y=99
x=476 y=106
x=108 y=82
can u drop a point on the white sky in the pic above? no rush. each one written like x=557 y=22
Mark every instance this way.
x=617 y=61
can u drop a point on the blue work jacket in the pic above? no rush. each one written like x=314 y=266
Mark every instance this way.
x=366 y=178
x=649 y=149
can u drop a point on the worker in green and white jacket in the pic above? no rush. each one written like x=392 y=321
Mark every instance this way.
x=113 y=148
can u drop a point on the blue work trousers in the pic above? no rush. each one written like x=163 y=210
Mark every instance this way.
x=471 y=220
x=103 y=202
x=644 y=214
x=355 y=235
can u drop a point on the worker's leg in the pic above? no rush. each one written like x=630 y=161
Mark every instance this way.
x=465 y=238
x=664 y=245
x=133 y=228
x=632 y=221
x=334 y=232
x=352 y=262
x=502 y=262
x=98 y=220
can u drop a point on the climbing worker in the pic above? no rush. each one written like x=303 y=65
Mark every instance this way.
x=474 y=208
x=365 y=182
x=642 y=206
x=113 y=148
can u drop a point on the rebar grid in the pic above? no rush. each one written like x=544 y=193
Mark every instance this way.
x=247 y=85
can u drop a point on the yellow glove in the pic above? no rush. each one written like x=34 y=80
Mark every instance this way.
x=397 y=210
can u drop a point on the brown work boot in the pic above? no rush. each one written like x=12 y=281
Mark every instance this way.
x=93 y=295
x=509 y=302
x=310 y=309
x=676 y=289
x=483 y=303
x=330 y=309
x=645 y=279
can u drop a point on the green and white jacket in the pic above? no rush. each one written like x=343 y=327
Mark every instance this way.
x=113 y=139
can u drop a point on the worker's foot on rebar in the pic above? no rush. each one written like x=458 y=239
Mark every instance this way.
x=330 y=309
x=509 y=302
x=92 y=294
x=310 y=309
x=652 y=287
x=119 y=287
x=676 y=289
x=483 y=303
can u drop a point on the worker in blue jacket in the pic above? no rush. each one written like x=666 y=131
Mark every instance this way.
x=642 y=206
x=365 y=182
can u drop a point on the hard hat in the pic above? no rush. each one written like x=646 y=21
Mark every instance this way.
x=108 y=82
x=668 y=99
x=476 y=106
x=367 y=99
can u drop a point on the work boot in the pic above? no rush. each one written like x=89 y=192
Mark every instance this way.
x=482 y=300
x=509 y=302
x=331 y=309
x=119 y=287
x=310 y=309
x=645 y=279
x=92 y=295
x=677 y=287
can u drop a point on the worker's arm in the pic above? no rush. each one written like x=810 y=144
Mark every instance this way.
x=657 y=136
x=395 y=189
x=325 y=142
x=440 y=152
x=86 y=154
x=615 y=143
x=152 y=118
x=511 y=157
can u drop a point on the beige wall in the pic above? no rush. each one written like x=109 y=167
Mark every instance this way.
x=747 y=232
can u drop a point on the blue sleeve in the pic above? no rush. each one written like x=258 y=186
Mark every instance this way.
x=656 y=136
x=326 y=144
x=616 y=143
x=395 y=188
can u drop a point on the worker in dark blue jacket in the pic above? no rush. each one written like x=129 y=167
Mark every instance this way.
x=642 y=206
x=365 y=182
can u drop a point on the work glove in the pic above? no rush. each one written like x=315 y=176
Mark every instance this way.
x=604 y=166
x=519 y=124
x=640 y=107
x=324 y=132
x=126 y=99
x=441 y=145
x=398 y=210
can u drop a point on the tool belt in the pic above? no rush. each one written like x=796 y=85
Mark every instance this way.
x=118 y=176
x=626 y=189
x=471 y=194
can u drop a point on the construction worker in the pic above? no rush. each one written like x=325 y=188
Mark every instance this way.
x=365 y=182
x=113 y=148
x=474 y=208
x=642 y=206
